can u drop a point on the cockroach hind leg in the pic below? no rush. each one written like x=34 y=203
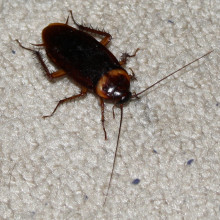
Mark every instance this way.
x=82 y=93
x=39 y=58
x=107 y=37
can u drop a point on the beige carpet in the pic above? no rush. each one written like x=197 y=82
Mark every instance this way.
x=59 y=168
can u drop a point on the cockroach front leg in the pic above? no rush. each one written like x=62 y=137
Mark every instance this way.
x=132 y=76
x=125 y=56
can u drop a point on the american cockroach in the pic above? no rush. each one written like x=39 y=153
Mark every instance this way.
x=91 y=65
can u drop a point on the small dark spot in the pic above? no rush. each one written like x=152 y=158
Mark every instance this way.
x=136 y=181
x=33 y=213
x=170 y=21
x=154 y=151
x=189 y=162
x=13 y=51
x=86 y=197
x=217 y=104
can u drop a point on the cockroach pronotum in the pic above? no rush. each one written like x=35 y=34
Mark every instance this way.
x=92 y=66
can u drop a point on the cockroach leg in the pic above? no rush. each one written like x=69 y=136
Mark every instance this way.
x=125 y=56
x=56 y=74
x=82 y=93
x=103 y=116
x=107 y=37
x=38 y=45
x=132 y=76
x=106 y=40
x=113 y=111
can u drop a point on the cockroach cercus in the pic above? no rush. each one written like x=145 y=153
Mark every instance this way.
x=92 y=66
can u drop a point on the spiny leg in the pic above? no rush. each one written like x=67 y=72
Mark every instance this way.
x=82 y=93
x=123 y=61
x=107 y=37
x=125 y=56
x=55 y=74
x=132 y=76
x=103 y=116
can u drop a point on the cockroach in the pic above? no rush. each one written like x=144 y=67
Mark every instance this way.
x=76 y=53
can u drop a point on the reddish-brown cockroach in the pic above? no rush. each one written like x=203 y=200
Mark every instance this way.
x=89 y=63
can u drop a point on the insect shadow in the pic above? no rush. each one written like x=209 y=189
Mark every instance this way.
x=77 y=54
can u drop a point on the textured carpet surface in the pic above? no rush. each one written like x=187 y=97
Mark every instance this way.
x=59 y=167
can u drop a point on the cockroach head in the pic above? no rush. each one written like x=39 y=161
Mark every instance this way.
x=115 y=86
